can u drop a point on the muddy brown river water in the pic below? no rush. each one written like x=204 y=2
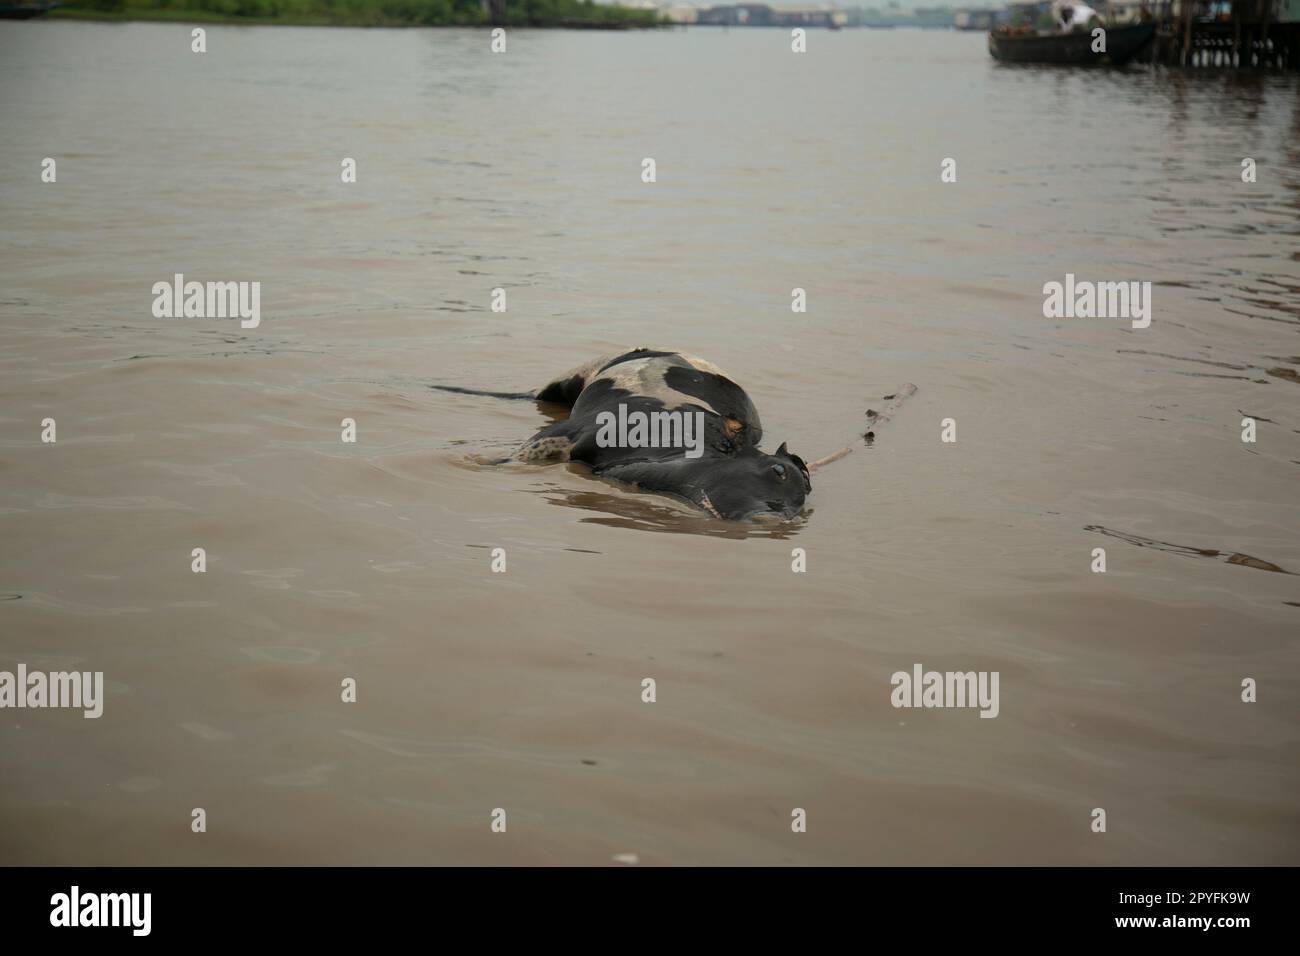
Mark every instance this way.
x=523 y=690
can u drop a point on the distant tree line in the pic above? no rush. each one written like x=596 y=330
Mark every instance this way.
x=433 y=13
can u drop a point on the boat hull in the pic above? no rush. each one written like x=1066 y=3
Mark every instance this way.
x=1122 y=44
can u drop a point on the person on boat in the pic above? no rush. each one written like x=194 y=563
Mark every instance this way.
x=1074 y=16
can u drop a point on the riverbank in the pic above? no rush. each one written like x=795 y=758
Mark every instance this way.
x=566 y=14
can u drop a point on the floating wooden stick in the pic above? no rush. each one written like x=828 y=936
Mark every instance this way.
x=874 y=419
x=846 y=450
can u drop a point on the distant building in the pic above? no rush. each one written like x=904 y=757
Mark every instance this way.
x=934 y=16
x=737 y=15
x=776 y=15
x=888 y=13
x=983 y=19
x=891 y=15
x=803 y=15
x=679 y=12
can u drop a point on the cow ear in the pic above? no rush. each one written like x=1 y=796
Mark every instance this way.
x=803 y=470
x=781 y=450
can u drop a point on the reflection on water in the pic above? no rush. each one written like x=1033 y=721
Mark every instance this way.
x=647 y=513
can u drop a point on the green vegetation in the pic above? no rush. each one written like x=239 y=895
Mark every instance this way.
x=363 y=13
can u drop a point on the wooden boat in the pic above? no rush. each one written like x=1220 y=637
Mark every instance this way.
x=24 y=11
x=1122 y=44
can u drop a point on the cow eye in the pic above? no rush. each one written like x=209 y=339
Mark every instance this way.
x=780 y=470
